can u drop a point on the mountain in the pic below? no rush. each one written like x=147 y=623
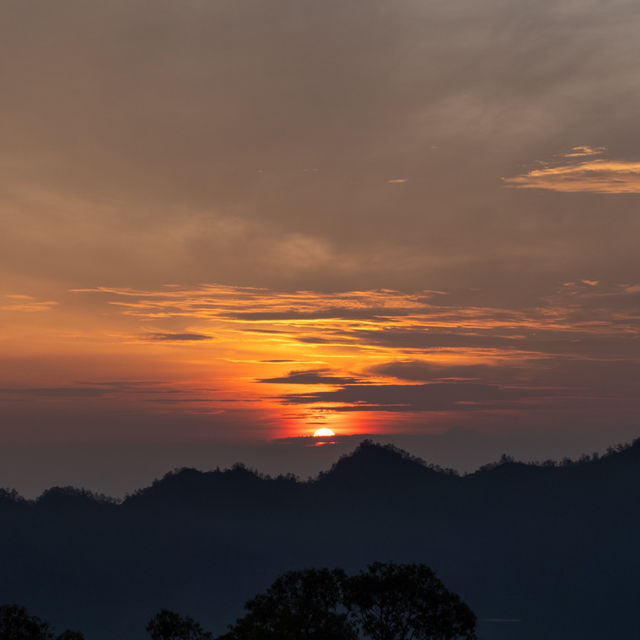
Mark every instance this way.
x=537 y=550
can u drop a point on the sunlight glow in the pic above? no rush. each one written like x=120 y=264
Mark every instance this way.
x=323 y=433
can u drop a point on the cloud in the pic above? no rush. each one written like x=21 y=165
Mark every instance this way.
x=607 y=378
x=379 y=360
x=141 y=390
x=339 y=337
x=583 y=152
x=344 y=312
x=364 y=352
x=164 y=156
x=438 y=396
x=318 y=376
x=253 y=305
x=596 y=175
x=581 y=318
x=26 y=303
x=422 y=370
x=54 y=392
x=538 y=339
x=176 y=337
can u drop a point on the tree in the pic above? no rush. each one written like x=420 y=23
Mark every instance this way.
x=406 y=602
x=167 y=625
x=385 y=602
x=17 y=624
x=70 y=635
x=299 y=605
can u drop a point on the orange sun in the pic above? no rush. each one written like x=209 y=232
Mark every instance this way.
x=323 y=433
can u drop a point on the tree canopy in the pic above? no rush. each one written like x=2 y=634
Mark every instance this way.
x=406 y=602
x=299 y=604
x=385 y=602
x=167 y=625
x=17 y=624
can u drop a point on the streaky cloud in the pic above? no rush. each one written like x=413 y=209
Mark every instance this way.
x=317 y=376
x=575 y=174
x=177 y=337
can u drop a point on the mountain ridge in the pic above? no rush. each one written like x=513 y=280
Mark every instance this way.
x=369 y=464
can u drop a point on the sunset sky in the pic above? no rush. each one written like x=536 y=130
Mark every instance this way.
x=225 y=224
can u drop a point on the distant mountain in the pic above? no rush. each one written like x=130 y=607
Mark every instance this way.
x=537 y=550
x=373 y=465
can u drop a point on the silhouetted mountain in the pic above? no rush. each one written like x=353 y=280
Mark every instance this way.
x=70 y=499
x=380 y=466
x=538 y=550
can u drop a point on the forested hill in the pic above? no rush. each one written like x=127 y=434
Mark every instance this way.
x=537 y=550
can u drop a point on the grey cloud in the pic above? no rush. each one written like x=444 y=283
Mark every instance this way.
x=570 y=376
x=439 y=396
x=177 y=337
x=106 y=389
x=55 y=392
x=137 y=386
x=340 y=336
x=184 y=130
x=258 y=330
x=589 y=302
x=427 y=339
x=187 y=400
x=422 y=371
x=370 y=313
x=549 y=342
x=317 y=376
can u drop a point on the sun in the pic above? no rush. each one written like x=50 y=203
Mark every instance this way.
x=323 y=433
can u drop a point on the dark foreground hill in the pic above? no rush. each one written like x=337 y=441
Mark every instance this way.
x=538 y=551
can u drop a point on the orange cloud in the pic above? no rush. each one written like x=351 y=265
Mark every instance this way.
x=26 y=303
x=595 y=175
x=583 y=152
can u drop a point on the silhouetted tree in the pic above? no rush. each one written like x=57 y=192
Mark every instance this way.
x=299 y=604
x=70 y=635
x=406 y=602
x=167 y=625
x=17 y=624
x=386 y=602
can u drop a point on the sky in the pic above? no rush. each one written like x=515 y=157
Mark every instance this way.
x=226 y=224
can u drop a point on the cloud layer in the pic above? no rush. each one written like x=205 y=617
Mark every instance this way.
x=194 y=142
x=336 y=168
x=296 y=359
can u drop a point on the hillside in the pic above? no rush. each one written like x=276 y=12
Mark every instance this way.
x=546 y=550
